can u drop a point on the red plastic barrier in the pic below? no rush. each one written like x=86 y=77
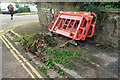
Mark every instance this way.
x=73 y=24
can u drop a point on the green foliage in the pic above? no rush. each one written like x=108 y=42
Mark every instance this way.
x=48 y=51
x=70 y=66
x=105 y=15
x=22 y=41
x=20 y=38
x=64 y=55
x=43 y=60
x=9 y=31
x=26 y=36
x=15 y=36
x=50 y=63
x=114 y=20
x=44 y=70
x=87 y=59
x=108 y=6
x=30 y=43
x=33 y=43
x=60 y=71
x=23 y=9
x=119 y=44
x=97 y=7
x=17 y=5
x=101 y=5
x=27 y=40
x=31 y=39
x=49 y=40
x=24 y=47
x=114 y=5
x=93 y=7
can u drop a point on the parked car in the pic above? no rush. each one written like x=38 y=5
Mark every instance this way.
x=4 y=7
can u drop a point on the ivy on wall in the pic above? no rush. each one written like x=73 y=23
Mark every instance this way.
x=96 y=7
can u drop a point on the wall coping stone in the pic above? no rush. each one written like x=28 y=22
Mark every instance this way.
x=111 y=10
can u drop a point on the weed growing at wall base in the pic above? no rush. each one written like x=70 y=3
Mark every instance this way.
x=64 y=55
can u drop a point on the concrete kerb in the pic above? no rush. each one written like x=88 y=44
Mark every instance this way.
x=25 y=14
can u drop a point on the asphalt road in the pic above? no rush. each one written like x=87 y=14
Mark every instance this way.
x=11 y=68
x=17 y=19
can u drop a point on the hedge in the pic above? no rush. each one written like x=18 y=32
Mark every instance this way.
x=24 y=9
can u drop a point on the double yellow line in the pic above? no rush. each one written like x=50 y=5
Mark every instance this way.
x=13 y=50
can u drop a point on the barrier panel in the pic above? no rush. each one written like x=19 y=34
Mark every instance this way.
x=74 y=24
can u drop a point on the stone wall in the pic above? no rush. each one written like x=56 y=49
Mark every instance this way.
x=108 y=34
x=47 y=10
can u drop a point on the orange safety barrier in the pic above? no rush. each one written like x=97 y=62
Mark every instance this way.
x=74 y=24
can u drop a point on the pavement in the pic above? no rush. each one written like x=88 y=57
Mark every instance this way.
x=30 y=28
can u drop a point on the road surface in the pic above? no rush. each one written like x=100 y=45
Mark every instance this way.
x=17 y=19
